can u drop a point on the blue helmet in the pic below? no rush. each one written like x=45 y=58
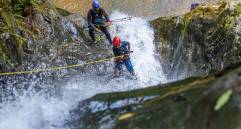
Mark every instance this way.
x=95 y=4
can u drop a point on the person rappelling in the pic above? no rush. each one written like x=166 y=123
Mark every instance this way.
x=122 y=51
x=98 y=20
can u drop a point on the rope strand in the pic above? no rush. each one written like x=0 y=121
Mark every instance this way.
x=60 y=68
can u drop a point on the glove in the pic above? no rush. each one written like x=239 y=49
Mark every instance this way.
x=130 y=52
x=118 y=60
x=107 y=23
x=126 y=57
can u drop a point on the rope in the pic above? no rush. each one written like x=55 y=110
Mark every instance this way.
x=122 y=19
x=125 y=19
x=60 y=68
x=130 y=17
x=116 y=20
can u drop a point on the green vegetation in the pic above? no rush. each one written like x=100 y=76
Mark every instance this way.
x=223 y=100
x=237 y=10
x=206 y=32
x=13 y=28
x=163 y=90
x=63 y=12
x=18 y=6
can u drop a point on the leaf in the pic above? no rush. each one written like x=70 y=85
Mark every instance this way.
x=223 y=100
x=8 y=20
x=126 y=116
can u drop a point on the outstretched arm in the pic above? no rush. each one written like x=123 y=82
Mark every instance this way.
x=129 y=47
x=105 y=15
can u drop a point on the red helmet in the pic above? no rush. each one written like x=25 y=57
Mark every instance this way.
x=117 y=42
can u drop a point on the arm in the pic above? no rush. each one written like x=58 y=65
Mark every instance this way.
x=115 y=52
x=89 y=19
x=118 y=57
x=129 y=46
x=105 y=15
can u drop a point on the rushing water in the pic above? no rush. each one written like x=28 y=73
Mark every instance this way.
x=39 y=110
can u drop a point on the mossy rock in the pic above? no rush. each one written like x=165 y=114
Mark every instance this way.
x=180 y=105
x=167 y=27
x=63 y=12
x=203 y=39
x=237 y=10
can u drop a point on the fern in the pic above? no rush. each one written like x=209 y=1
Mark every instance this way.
x=12 y=23
x=19 y=5
x=22 y=26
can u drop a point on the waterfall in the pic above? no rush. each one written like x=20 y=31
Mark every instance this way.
x=38 y=110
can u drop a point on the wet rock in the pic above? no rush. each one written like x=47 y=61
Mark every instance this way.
x=41 y=39
x=178 y=98
x=201 y=41
x=63 y=12
x=46 y=37
x=195 y=110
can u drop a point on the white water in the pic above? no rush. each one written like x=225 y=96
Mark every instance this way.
x=40 y=111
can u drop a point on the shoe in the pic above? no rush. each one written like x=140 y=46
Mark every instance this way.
x=133 y=74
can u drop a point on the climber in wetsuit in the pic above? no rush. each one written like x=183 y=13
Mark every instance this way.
x=121 y=50
x=97 y=20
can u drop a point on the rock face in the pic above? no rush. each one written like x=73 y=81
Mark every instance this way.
x=203 y=40
x=187 y=104
x=74 y=6
x=42 y=36
x=38 y=37
x=206 y=39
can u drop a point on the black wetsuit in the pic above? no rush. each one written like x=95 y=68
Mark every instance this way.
x=96 y=19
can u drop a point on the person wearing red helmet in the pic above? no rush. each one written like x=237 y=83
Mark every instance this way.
x=122 y=50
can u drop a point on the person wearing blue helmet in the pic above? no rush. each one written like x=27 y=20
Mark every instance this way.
x=97 y=19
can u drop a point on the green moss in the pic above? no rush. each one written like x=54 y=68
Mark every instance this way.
x=41 y=8
x=8 y=19
x=237 y=10
x=157 y=109
x=201 y=12
x=229 y=22
x=5 y=58
x=22 y=26
x=12 y=23
x=63 y=12
x=3 y=53
x=162 y=90
x=194 y=111
x=21 y=40
x=19 y=5
x=212 y=14
x=165 y=26
x=151 y=110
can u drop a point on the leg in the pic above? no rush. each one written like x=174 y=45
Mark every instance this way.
x=117 y=69
x=116 y=72
x=129 y=67
x=92 y=34
x=107 y=34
